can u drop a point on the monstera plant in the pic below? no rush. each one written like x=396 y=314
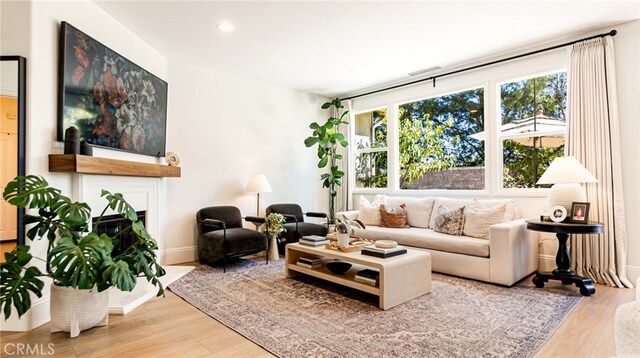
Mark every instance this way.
x=77 y=256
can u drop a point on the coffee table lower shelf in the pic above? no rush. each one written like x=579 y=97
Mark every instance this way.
x=347 y=279
x=402 y=278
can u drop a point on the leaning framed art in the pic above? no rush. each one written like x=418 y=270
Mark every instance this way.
x=113 y=102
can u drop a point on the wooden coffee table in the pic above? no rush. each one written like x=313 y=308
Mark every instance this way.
x=402 y=278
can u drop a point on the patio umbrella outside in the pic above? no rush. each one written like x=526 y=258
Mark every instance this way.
x=536 y=131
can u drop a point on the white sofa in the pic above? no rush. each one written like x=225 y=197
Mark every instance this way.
x=509 y=254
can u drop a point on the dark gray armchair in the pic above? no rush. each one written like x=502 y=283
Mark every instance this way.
x=221 y=235
x=295 y=224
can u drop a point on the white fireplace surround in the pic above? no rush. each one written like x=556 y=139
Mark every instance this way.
x=144 y=195
x=141 y=193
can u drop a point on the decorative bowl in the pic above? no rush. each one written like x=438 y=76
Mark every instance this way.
x=338 y=267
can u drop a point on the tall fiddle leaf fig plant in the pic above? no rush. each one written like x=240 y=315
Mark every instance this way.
x=76 y=256
x=327 y=136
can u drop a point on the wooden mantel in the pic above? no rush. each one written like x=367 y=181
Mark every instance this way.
x=83 y=164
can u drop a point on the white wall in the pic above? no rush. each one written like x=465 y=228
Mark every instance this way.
x=226 y=128
x=627 y=52
x=627 y=55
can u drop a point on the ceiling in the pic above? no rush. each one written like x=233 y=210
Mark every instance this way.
x=331 y=48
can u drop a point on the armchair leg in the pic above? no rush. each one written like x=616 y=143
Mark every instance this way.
x=224 y=264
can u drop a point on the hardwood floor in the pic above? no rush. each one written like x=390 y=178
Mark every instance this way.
x=170 y=327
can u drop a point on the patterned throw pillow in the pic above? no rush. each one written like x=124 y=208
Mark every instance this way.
x=449 y=222
x=396 y=217
x=369 y=213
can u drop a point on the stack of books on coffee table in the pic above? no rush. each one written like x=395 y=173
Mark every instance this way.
x=310 y=262
x=384 y=253
x=313 y=240
x=367 y=276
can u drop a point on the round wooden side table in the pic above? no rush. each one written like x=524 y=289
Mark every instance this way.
x=563 y=270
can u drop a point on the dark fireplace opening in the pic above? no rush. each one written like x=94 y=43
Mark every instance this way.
x=117 y=224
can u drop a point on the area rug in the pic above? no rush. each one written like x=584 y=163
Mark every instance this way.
x=308 y=317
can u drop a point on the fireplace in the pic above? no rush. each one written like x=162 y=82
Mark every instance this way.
x=117 y=224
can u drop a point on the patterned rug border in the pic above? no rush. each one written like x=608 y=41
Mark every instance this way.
x=262 y=341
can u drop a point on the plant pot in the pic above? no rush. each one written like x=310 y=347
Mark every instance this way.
x=273 y=249
x=74 y=310
x=343 y=239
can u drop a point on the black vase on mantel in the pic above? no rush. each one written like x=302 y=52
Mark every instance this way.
x=86 y=149
x=71 y=141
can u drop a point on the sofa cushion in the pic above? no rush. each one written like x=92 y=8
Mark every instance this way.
x=428 y=239
x=450 y=204
x=393 y=217
x=449 y=221
x=510 y=212
x=369 y=212
x=418 y=209
x=478 y=218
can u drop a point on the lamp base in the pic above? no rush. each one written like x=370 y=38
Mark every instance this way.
x=565 y=194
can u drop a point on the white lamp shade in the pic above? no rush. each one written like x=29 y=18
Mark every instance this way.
x=566 y=170
x=258 y=184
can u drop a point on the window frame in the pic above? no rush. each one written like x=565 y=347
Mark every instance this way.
x=353 y=152
x=498 y=140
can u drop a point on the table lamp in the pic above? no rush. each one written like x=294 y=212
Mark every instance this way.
x=566 y=174
x=258 y=184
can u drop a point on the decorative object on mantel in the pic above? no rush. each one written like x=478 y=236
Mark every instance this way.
x=172 y=159
x=124 y=106
x=71 y=141
x=81 y=263
x=82 y=164
x=86 y=149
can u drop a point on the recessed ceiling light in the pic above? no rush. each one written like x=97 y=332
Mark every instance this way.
x=225 y=27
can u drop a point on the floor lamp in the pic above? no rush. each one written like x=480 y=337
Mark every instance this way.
x=258 y=184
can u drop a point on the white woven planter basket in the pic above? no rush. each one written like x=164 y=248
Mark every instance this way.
x=74 y=310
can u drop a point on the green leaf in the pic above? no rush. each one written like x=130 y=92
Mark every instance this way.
x=310 y=141
x=78 y=265
x=117 y=203
x=314 y=125
x=72 y=214
x=120 y=276
x=31 y=192
x=326 y=105
x=323 y=162
x=15 y=287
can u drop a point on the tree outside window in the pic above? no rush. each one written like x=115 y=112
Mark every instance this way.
x=436 y=150
x=533 y=121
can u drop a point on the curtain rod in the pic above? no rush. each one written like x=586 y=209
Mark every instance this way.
x=433 y=78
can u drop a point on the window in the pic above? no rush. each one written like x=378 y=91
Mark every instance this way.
x=436 y=146
x=532 y=130
x=371 y=149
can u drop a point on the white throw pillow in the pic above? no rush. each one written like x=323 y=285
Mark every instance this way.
x=510 y=212
x=478 y=218
x=418 y=209
x=450 y=204
x=369 y=213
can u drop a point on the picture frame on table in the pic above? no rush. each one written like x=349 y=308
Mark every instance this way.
x=579 y=212
x=113 y=102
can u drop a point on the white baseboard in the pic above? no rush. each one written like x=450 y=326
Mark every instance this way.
x=178 y=255
x=38 y=315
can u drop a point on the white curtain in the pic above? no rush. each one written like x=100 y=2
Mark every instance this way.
x=343 y=198
x=593 y=138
